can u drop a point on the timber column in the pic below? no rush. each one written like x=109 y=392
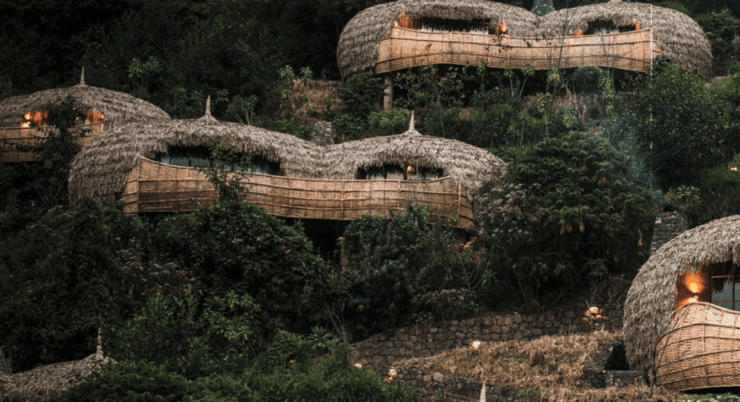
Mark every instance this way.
x=388 y=96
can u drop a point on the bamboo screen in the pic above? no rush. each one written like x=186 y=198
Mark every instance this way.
x=157 y=187
x=701 y=349
x=411 y=48
x=11 y=137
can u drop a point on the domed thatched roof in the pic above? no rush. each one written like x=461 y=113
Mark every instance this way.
x=680 y=37
x=100 y=169
x=48 y=383
x=358 y=44
x=464 y=163
x=116 y=107
x=652 y=296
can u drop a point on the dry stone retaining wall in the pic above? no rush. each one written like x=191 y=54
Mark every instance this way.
x=426 y=340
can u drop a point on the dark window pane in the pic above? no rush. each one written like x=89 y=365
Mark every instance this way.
x=722 y=288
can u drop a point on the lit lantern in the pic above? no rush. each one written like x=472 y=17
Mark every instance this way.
x=475 y=345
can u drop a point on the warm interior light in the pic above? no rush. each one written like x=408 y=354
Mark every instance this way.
x=393 y=372
x=358 y=365
x=93 y=116
x=35 y=118
x=594 y=310
x=692 y=300
x=694 y=287
x=475 y=345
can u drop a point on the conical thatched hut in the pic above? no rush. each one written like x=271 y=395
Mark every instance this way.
x=675 y=34
x=334 y=182
x=359 y=44
x=670 y=328
x=21 y=116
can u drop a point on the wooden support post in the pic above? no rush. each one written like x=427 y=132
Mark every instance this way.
x=388 y=97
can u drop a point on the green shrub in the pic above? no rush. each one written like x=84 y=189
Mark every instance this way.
x=723 y=31
x=683 y=127
x=236 y=246
x=60 y=279
x=392 y=265
x=129 y=382
x=189 y=336
x=393 y=121
x=361 y=95
x=566 y=213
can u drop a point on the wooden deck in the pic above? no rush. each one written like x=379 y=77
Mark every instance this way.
x=157 y=187
x=406 y=48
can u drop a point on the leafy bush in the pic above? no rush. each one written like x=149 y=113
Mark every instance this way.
x=234 y=245
x=392 y=265
x=718 y=196
x=60 y=279
x=723 y=31
x=361 y=96
x=392 y=121
x=567 y=212
x=129 y=382
x=189 y=336
x=683 y=127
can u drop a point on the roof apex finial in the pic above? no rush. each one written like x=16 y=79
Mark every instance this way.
x=82 y=76
x=411 y=122
x=208 y=106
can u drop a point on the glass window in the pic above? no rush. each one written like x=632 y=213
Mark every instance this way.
x=725 y=286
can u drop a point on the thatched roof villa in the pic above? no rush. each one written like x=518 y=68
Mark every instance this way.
x=152 y=167
x=411 y=33
x=22 y=118
x=675 y=34
x=681 y=318
x=368 y=33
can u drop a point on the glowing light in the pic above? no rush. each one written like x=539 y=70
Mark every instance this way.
x=693 y=287
x=692 y=300
x=734 y=168
x=358 y=365
x=393 y=372
x=594 y=310
x=475 y=345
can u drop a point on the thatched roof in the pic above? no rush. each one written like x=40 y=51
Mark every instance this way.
x=358 y=44
x=48 y=383
x=680 y=37
x=99 y=170
x=652 y=297
x=117 y=107
x=464 y=163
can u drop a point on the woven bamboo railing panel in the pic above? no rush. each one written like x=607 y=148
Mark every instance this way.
x=10 y=137
x=701 y=349
x=411 y=48
x=158 y=187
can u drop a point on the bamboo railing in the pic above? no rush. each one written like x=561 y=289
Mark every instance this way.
x=157 y=187
x=701 y=349
x=406 y=48
x=12 y=137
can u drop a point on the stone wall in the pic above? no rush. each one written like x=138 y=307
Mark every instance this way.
x=667 y=226
x=426 y=340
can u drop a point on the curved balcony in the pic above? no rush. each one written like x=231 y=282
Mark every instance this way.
x=158 y=187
